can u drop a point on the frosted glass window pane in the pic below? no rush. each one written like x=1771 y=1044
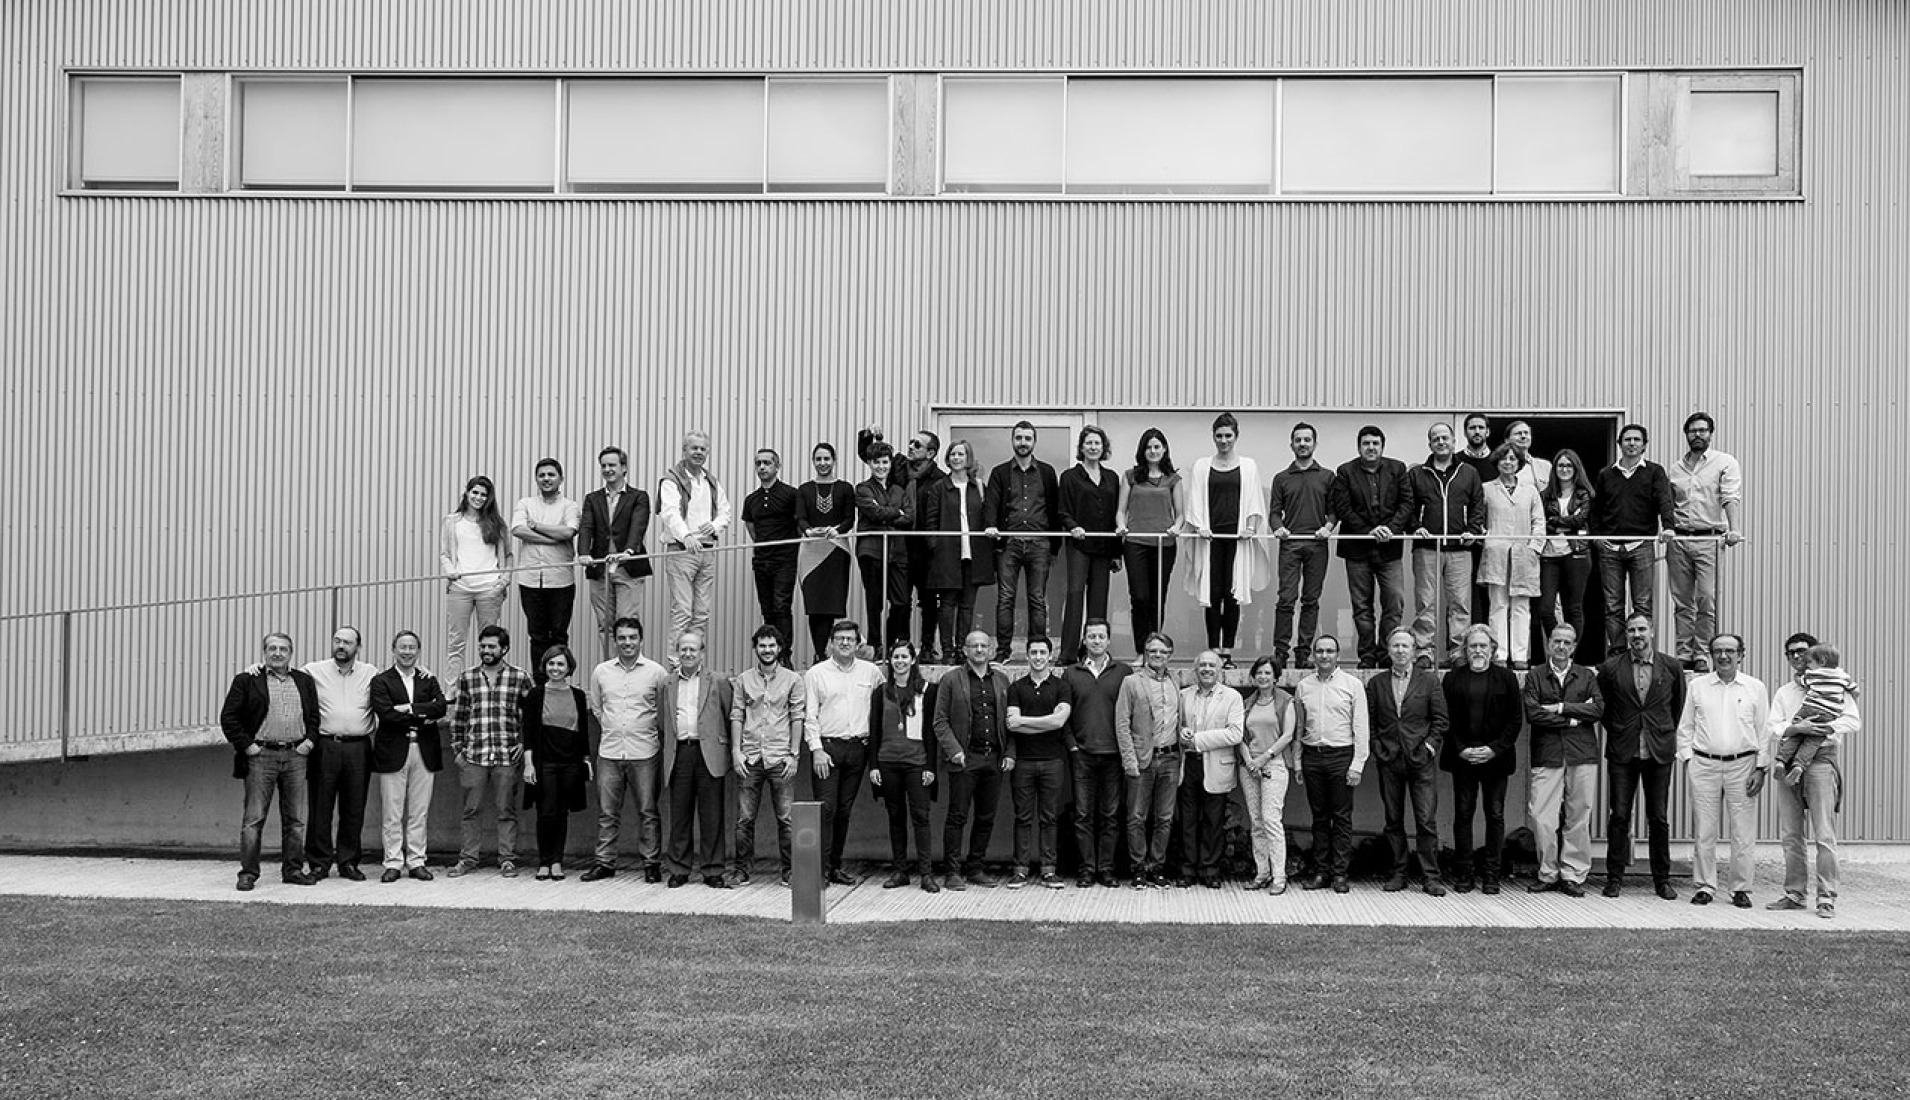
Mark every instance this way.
x=690 y=135
x=1732 y=134
x=129 y=131
x=1170 y=135
x=1355 y=135
x=292 y=133
x=1002 y=135
x=1558 y=134
x=829 y=135
x=487 y=134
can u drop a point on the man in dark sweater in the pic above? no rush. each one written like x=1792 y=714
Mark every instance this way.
x=1631 y=497
x=1098 y=779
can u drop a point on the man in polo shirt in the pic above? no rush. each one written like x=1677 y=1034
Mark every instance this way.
x=1723 y=738
x=626 y=695
x=615 y=520
x=1807 y=811
x=1449 y=508
x=1644 y=694
x=769 y=515
x=971 y=722
x=1147 y=722
x=488 y=746
x=1562 y=707
x=1095 y=684
x=836 y=723
x=1630 y=498
x=341 y=762
x=695 y=713
x=270 y=716
x=1334 y=743
x=1301 y=519
x=1038 y=709
x=694 y=510
x=1021 y=497
x=1706 y=487
x=1213 y=723
x=546 y=529
x=766 y=720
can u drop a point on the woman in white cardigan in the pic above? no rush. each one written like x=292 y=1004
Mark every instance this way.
x=1509 y=567
x=1224 y=499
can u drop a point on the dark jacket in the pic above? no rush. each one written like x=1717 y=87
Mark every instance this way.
x=1092 y=508
x=945 y=554
x=1569 y=738
x=1363 y=501
x=1639 y=505
x=530 y=711
x=951 y=716
x=883 y=507
x=1452 y=503
x=712 y=723
x=246 y=705
x=1504 y=714
x=388 y=745
x=1565 y=522
x=1653 y=719
x=886 y=724
x=600 y=534
x=996 y=499
x=1410 y=732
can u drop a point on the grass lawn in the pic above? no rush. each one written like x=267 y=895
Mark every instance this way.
x=118 y=998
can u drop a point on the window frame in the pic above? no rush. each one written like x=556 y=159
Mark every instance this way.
x=1786 y=181
x=73 y=181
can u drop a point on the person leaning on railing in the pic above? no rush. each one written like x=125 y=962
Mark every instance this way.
x=884 y=504
x=960 y=564
x=1631 y=497
x=1146 y=517
x=474 y=552
x=1090 y=501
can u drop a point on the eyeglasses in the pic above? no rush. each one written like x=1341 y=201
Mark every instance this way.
x=916 y=444
x=1797 y=651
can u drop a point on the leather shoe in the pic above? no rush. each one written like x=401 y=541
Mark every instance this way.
x=839 y=877
x=1702 y=897
x=247 y=882
x=1543 y=887
x=954 y=881
x=392 y=874
x=1340 y=885
x=1315 y=882
x=350 y=871
x=598 y=871
x=1463 y=885
x=896 y=881
x=1085 y=881
x=1786 y=902
x=716 y=882
x=1614 y=886
x=1107 y=879
x=1433 y=889
x=979 y=877
x=652 y=873
x=930 y=886
x=1571 y=889
x=422 y=873
x=1665 y=891
x=318 y=874
x=1395 y=884
x=1741 y=899
x=1489 y=886
x=298 y=878
x=679 y=880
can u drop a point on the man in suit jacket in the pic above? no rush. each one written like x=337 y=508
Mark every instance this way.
x=1408 y=715
x=271 y=718
x=694 y=720
x=1021 y=496
x=974 y=738
x=405 y=755
x=1562 y=706
x=610 y=535
x=1644 y=693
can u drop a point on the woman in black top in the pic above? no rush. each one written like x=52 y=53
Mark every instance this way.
x=1565 y=563
x=1090 y=496
x=825 y=510
x=901 y=741
x=554 y=729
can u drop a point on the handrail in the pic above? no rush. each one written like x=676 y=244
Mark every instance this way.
x=614 y=559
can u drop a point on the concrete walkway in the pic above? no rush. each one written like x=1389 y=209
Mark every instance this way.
x=1876 y=898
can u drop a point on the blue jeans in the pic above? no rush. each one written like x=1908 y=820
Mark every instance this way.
x=1442 y=582
x=280 y=771
x=642 y=779
x=1150 y=802
x=1362 y=576
x=502 y=781
x=1801 y=826
x=1301 y=560
x=1399 y=780
x=1021 y=557
x=749 y=793
x=1615 y=568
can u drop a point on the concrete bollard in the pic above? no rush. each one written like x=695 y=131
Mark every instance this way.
x=805 y=872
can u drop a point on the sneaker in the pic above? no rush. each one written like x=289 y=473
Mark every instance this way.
x=983 y=879
x=1142 y=881
x=1086 y=880
x=462 y=868
x=784 y=878
x=1052 y=881
x=1432 y=888
x=1826 y=908
x=1787 y=902
x=1277 y=887
x=508 y=868
x=740 y=876
x=1107 y=879
x=954 y=881
x=1019 y=879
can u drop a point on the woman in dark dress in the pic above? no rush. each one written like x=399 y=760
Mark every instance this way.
x=825 y=510
x=1483 y=702
x=902 y=743
x=555 y=725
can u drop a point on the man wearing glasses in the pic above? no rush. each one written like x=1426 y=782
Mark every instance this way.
x=1706 y=485
x=1722 y=737
x=1807 y=812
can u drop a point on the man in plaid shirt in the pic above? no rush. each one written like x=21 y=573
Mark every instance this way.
x=485 y=743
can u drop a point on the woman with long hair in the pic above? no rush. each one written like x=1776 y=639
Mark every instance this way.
x=1090 y=497
x=1146 y=517
x=961 y=563
x=474 y=552
x=902 y=744
x=1566 y=562
x=825 y=511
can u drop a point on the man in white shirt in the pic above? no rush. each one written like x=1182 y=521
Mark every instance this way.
x=1807 y=812
x=1722 y=738
x=1706 y=488
x=340 y=766
x=546 y=530
x=836 y=725
x=626 y=695
x=694 y=511
x=696 y=760
x=1334 y=744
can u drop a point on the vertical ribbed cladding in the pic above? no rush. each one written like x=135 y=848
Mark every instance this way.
x=242 y=394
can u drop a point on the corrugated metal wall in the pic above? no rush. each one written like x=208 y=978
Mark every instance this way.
x=225 y=394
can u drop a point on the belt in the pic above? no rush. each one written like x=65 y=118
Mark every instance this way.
x=863 y=740
x=1725 y=759
x=1701 y=530
x=1166 y=750
x=278 y=744
x=346 y=736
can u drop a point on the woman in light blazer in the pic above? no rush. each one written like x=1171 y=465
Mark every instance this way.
x=1509 y=567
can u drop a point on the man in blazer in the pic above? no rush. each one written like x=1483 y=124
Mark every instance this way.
x=405 y=755
x=1562 y=706
x=270 y=716
x=694 y=721
x=1147 y=722
x=1644 y=694
x=1408 y=715
x=1021 y=496
x=610 y=535
x=1371 y=495
x=971 y=723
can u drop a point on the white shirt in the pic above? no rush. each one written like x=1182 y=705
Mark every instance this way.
x=838 y=701
x=689 y=696
x=344 y=698
x=625 y=702
x=475 y=558
x=1725 y=718
x=1336 y=714
x=709 y=503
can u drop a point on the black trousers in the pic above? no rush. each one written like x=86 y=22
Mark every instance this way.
x=906 y=797
x=1223 y=611
x=1149 y=568
x=555 y=782
x=848 y=762
x=1331 y=800
x=1202 y=815
x=775 y=589
x=1087 y=598
x=975 y=793
x=882 y=583
x=1623 y=778
x=1099 y=784
x=339 y=772
x=1399 y=780
x=1035 y=786
x=546 y=621
x=1467 y=786
x=926 y=598
x=696 y=800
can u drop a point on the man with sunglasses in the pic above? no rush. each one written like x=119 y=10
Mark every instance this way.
x=1722 y=739
x=916 y=468
x=1807 y=812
